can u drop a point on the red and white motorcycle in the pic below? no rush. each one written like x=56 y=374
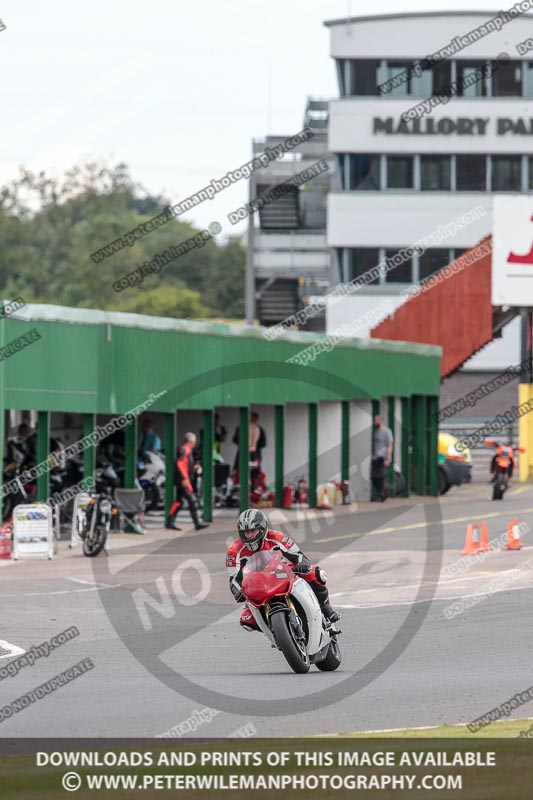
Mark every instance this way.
x=287 y=611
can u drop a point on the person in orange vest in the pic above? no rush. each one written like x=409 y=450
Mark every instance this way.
x=182 y=479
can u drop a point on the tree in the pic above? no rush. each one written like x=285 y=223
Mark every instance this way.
x=49 y=227
x=165 y=301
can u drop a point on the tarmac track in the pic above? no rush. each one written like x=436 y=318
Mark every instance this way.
x=439 y=671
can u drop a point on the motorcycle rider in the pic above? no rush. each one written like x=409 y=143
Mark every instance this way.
x=503 y=452
x=184 y=471
x=255 y=535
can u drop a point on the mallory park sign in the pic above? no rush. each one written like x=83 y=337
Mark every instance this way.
x=460 y=126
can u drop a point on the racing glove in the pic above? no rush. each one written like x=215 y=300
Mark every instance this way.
x=237 y=592
x=302 y=566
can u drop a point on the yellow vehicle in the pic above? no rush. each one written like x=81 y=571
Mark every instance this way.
x=455 y=467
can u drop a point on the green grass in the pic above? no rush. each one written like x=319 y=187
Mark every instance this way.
x=505 y=729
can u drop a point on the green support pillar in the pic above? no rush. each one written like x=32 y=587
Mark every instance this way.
x=2 y=442
x=406 y=445
x=313 y=453
x=392 y=425
x=130 y=454
x=433 y=445
x=207 y=464
x=420 y=444
x=244 y=458
x=376 y=409
x=2 y=401
x=89 y=454
x=279 y=422
x=43 y=451
x=170 y=455
x=345 y=440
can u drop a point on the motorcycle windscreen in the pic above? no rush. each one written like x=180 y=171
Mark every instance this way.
x=265 y=575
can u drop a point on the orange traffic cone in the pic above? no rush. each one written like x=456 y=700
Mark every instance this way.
x=484 y=541
x=513 y=536
x=471 y=540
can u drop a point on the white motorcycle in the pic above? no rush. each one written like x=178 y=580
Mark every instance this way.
x=287 y=611
x=151 y=477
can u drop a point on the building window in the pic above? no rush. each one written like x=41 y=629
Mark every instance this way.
x=507 y=79
x=360 y=260
x=506 y=173
x=435 y=173
x=363 y=172
x=458 y=252
x=341 y=158
x=530 y=174
x=401 y=73
x=432 y=261
x=436 y=79
x=364 y=76
x=339 y=63
x=472 y=78
x=400 y=273
x=471 y=173
x=529 y=79
x=399 y=172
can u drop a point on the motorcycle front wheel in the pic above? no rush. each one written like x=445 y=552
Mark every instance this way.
x=286 y=640
x=94 y=543
x=333 y=659
x=498 y=488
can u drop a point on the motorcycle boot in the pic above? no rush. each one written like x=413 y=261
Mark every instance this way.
x=193 y=508
x=322 y=595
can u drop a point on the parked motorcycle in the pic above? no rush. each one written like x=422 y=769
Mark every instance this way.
x=502 y=467
x=106 y=477
x=94 y=523
x=151 y=477
x=287 y=611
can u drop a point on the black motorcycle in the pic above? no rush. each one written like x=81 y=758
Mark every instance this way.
x=94 y=524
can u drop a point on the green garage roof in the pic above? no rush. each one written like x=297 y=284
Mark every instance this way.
x=87 y=360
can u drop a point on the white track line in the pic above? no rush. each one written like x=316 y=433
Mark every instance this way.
x=434 y=599
x=438 y=583
x=13 y=649
x=91 y=583
x=62 y=591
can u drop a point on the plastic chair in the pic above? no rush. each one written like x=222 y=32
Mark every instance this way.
x=130 y=504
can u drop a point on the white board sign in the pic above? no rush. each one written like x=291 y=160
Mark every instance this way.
x=512 y=253
x=81 y=502
x=32 y=531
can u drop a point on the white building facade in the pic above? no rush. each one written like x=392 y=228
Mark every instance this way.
x=403 y=178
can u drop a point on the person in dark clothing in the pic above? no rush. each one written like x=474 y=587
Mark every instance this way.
x=262 y=441
x=182 y=478
x=381 y=457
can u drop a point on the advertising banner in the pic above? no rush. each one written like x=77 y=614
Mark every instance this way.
x=512 y=254
x=32 y=531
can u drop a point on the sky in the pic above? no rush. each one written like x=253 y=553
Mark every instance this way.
x=175 y=89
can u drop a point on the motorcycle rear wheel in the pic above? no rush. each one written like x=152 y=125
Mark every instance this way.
x=93 y=545
x=297 y=659
x=333 y=659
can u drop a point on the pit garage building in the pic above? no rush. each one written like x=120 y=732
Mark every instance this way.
x=77 y=369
